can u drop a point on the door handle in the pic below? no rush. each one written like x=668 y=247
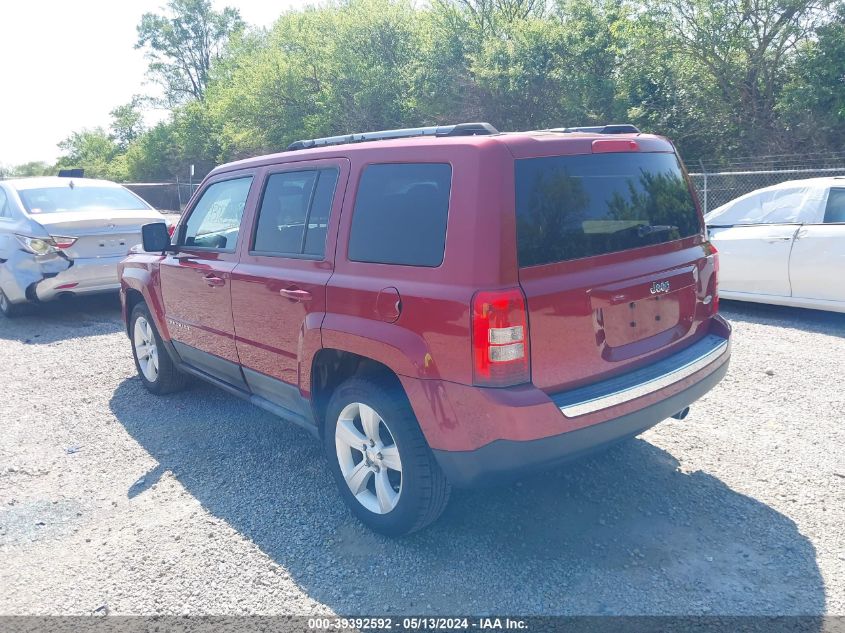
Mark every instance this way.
x=214 y=281
x=772 y=240
x=295 y=294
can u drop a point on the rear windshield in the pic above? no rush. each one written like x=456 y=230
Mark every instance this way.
x=568 y=207
x=58 y=199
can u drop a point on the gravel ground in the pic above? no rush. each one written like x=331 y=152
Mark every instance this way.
x=113 y=500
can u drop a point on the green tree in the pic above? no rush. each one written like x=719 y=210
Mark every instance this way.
x=334 y=70
x=127 y=123
x=735 y=55
x=182 y=45
x=813 y=103
x=32 y=168
x=91 y=149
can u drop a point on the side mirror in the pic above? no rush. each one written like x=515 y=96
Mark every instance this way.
x=155 y=237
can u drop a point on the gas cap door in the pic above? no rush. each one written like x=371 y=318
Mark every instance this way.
x=388 y=304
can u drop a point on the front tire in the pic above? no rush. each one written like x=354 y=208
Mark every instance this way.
x=380 y=460
x=155 y=367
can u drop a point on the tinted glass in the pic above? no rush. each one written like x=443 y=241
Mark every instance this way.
x=835 y=210
x=568 y=207
x=294 y=213
x=216 y=218
x=58 y=199
x=318 y=220
x=284 y=208
x=400 y=214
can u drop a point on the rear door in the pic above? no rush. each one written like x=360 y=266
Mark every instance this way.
x=196 y=280
x=818 y=255
x=612 y=262
x=279 y=286
x=754 y=258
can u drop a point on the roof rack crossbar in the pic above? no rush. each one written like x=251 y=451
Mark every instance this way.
x=614 y=128
x=461 y=129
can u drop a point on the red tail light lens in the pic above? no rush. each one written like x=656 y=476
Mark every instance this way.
x=170 y=229
x=715 y=254
x=63 y=242
x=500 y=338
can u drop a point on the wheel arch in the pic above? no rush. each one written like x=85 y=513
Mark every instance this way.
x=331 y=367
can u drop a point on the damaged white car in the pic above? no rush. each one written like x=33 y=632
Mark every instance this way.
x=784 y=244
x=64 y=236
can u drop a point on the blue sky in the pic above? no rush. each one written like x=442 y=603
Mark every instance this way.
x=65 y=65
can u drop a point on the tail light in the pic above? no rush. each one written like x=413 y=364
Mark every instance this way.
x=63 y=242
x=715 y=253
x=500 y=338
x=170 y=228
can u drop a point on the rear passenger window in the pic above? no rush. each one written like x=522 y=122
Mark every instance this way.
x=294 y=214
x=834 y=213
x=400 y=214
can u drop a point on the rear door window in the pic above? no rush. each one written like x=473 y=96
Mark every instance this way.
x=294 y=214
x=834 y=212
x=569 y=207
x=401 y=213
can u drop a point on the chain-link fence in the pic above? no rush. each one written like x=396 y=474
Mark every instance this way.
x=714 y=188
x=164 y=196
x=718 y=188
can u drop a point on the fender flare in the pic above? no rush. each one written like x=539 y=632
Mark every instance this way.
x=402 y=351
x=141 y=280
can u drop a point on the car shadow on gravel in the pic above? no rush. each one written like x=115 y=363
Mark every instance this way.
x=623 y=532
x=817 y=321
x=63 y=319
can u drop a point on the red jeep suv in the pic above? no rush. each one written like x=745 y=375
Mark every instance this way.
x=441 y=306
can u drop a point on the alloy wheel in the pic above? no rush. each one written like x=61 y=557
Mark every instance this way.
x=146 y=349
x=368 y=457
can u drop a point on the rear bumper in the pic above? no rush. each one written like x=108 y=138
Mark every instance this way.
x=85 y=276
x=505 y=459
x=482 y=435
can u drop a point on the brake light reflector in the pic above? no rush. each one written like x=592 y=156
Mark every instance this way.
x=604 y=146
x=500 y=338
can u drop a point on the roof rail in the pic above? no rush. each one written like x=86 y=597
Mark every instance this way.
x=615 y=128
x=461 y=129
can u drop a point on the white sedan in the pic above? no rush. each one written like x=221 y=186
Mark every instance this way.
x=784 y=245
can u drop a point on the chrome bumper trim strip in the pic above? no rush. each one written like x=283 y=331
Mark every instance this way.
x=644 y=381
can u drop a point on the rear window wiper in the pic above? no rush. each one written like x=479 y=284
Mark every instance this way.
x=644 y=230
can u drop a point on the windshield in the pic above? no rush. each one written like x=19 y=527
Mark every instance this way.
x=568 y=207
x=65 y=198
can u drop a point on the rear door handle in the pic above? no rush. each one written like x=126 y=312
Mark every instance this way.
x=295 y=294
x=772 y=240
x=214 y=281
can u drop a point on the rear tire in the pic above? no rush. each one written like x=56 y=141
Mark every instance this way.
x=374 y=446
x=11 y=310
x=156 y=369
